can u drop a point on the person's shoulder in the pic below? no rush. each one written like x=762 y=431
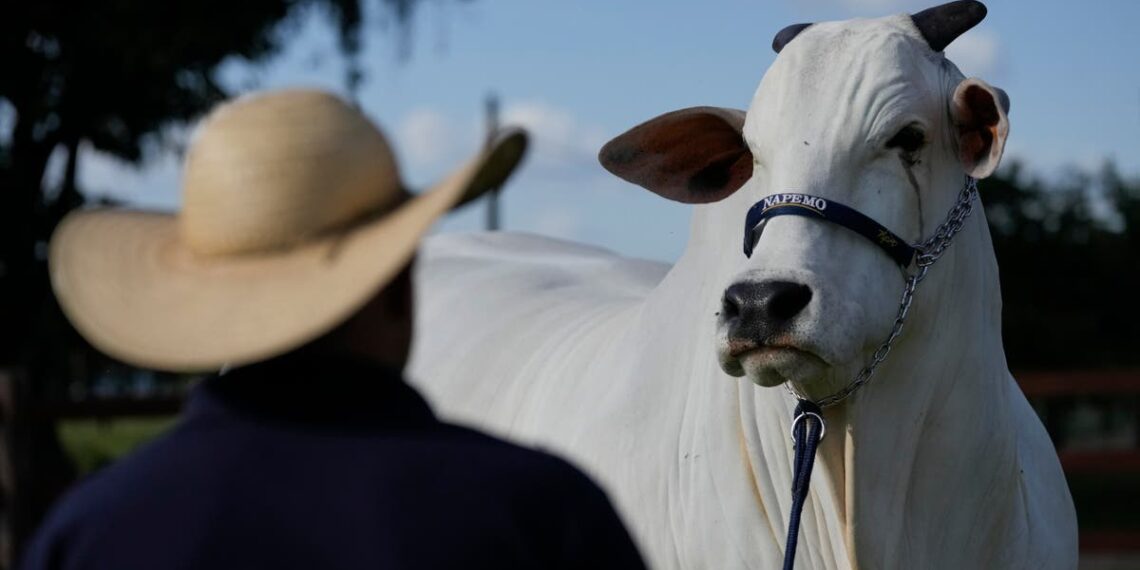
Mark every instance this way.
x=566 y=512
x=512 y=459
x=117 y=485
x=106 y=506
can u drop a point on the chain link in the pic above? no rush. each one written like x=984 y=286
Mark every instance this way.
x=928 y=252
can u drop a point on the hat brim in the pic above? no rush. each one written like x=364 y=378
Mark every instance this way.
x=128 y=284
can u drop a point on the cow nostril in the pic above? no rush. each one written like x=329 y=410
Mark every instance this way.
x=788 y=300
x=732 y=302
x=756 y=310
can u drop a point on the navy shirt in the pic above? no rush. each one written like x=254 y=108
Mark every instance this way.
x=330 y=465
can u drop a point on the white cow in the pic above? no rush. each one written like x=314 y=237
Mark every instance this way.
x=938 y=462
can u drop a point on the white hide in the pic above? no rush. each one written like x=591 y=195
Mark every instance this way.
x=938 y=463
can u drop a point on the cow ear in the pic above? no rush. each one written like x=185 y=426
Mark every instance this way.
x=694 y=155
x=980 y=116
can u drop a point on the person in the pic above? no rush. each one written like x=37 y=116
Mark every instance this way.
x=290 y=266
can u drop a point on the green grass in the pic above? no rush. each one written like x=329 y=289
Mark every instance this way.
x=91 y=444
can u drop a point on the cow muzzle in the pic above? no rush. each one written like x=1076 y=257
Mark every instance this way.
x=758 y=330
x=757 y=312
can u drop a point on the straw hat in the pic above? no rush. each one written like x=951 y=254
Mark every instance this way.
x=293 y=218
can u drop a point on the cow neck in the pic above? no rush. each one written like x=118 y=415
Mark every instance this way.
x=946 y=382
x=934 y=432
x=807 y=427
x=720 y=431
x=733 y=419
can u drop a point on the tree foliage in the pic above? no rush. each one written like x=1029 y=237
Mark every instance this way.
x=115 y=74
x=1067 y=253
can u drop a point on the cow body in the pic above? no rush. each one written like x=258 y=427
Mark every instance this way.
x=938 y=463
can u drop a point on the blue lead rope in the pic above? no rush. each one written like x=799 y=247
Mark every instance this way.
x=807 y=431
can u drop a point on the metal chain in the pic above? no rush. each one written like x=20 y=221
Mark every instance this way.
x=928 y=252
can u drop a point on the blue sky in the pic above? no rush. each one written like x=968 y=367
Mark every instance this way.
x=578 y=73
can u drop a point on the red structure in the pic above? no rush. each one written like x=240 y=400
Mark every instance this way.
x=1094 y=420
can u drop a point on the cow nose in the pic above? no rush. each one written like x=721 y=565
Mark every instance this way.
x=765 y=306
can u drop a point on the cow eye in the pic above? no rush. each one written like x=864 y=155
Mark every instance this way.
x=909 y=139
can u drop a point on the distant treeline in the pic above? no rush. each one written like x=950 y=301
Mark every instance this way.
x=1067 y=251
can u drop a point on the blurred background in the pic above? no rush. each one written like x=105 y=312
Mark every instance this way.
x=98 y=100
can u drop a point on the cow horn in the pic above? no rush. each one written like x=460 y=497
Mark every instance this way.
x=940 y=25
x=786 y=35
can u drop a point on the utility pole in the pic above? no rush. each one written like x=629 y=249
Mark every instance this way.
x=492 y=114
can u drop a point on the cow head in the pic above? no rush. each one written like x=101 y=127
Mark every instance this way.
x=867 y=113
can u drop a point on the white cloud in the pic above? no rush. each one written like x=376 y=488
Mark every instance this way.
x=429 y=141
x=154 y=185
x=558 y=138
x=977 y=53
x=426 y=136
x=1053 y=158
x=559 y=222
x=561 y=191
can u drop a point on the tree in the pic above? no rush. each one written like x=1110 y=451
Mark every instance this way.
x=117 y=75
x=1067 y=252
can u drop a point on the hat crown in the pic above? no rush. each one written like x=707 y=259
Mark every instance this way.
x=269 y=171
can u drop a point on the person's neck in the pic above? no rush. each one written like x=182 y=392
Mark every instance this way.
x=384 y=351
x=320 y=389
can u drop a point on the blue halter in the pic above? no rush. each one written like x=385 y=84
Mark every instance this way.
x=809 y=206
